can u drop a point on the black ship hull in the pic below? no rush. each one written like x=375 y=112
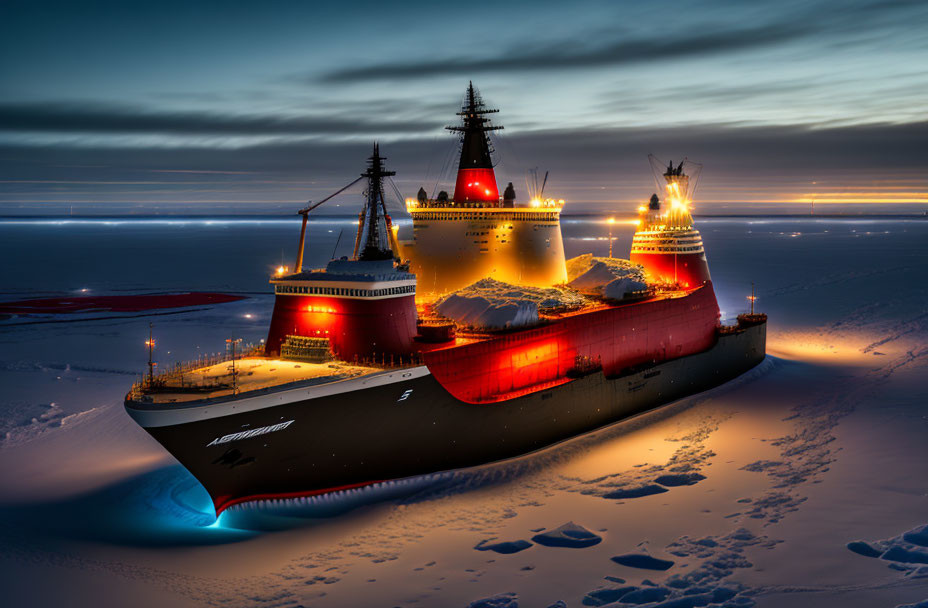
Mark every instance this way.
x=402 y=423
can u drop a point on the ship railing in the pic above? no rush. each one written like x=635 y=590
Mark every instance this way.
x=389 y=360
x=434 y=321
x=176 y=375
x=743 y=321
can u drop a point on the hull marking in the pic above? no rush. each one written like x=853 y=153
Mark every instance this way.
x=264 y=430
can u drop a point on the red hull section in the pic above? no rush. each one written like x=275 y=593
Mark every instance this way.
x=221 y=503
x=689 y=270
x=476 y=185
x=359 y=328
x=620 y=337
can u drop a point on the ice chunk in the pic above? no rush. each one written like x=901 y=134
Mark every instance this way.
x=706 y=596
x=480 y=312
x=593 y=275
x=918 y=536
x=636 y=491
x=679 y=479
x=578 y=265
x=504 y=547
x=863 y=548
x=569 y=535
x=643 y=561
x=646 y=596
x=619 y=288
x=899 y=554
x=494 y=304
x=606 y=595
x=502 y=600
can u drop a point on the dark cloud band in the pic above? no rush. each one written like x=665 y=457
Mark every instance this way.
x=582 y=156
x=564 y=55
x=74 y=118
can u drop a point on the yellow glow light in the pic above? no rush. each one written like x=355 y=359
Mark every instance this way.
x=642 y=209
x=611 y=220
x=281 y=270
x=320 y=309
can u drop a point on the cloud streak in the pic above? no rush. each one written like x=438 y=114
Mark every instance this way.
x=99 y=119
x=565 y=55
x=586 y=165
x=819 y=25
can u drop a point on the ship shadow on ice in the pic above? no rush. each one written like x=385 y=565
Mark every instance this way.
x=165 y=507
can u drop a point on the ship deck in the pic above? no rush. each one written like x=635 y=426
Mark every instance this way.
x=258 y=373
x=251 y=374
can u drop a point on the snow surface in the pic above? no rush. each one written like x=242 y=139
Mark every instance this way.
x=771 y=481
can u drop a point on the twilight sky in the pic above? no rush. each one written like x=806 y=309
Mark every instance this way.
x=256 y=107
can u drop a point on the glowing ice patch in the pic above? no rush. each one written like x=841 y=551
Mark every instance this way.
x=264 y=430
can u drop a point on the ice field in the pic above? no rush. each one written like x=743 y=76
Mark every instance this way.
x=803 y=483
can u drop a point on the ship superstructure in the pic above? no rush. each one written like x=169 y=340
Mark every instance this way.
x=349 y=391
x=477 y=234
x=666 y=243
x=357 y=308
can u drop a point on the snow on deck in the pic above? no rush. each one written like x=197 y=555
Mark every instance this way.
x=493 y=304
x=612 y=278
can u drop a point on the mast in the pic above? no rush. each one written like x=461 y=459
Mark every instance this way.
x=298 y=268
x=476 y=180
x=151 y=363
x=374 y=224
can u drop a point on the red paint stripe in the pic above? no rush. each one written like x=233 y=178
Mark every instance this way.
x=133 y=303
x=222 y=503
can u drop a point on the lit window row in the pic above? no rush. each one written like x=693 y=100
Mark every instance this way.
x=671 y=242
x=472 y=216
x=669 y=249
x=345 y=291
